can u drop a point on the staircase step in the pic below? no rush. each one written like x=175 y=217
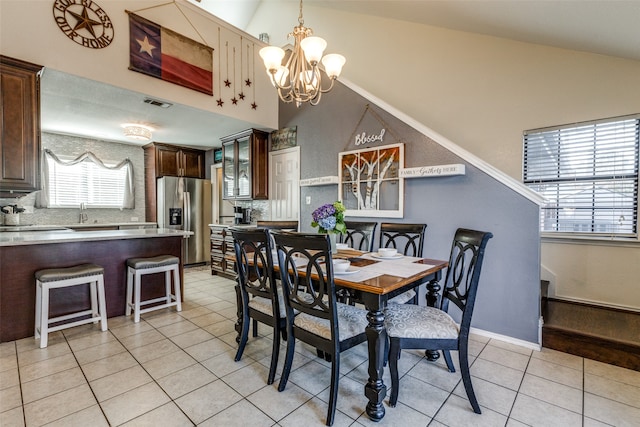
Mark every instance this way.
x=599 y=333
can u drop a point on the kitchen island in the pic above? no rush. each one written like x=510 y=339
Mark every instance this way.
x=24 y=253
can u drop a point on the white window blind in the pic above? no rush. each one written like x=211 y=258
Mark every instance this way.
x=588 y=175
x=87 y=180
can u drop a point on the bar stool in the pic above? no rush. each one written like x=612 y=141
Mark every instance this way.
x=54 y=278
x=136 y=268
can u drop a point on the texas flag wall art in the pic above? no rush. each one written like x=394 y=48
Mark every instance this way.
x=167 y=55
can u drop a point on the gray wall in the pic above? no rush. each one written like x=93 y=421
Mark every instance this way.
x=508 y=297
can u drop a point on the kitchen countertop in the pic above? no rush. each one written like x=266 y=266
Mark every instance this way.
x=47 y=227
x=19 y=238
x=233 y=225
x=109 y=224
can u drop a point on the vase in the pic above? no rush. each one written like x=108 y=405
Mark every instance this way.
x=333 y=238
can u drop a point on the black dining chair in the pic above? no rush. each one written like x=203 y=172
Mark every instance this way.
x=260 y=297
x=408 y=239
x=432 y=328
x=306 y=272
x=359 y=235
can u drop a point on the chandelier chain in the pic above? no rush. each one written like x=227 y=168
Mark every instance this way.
x=300 y=18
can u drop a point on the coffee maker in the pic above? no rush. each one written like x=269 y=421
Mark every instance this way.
x=241 y=215
x=246 y=215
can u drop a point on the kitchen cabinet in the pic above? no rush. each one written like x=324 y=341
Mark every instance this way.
x=168 y=160
x=222 y=252
x=245 y=166
x=172 y=160
x=19 y=127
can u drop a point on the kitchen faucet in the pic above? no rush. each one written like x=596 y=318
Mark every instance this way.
x=83 y=215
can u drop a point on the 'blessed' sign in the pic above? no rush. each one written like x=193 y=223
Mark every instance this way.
x=363 y=138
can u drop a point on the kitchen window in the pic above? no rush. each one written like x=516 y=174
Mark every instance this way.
x=86 y=179
x=588 y=174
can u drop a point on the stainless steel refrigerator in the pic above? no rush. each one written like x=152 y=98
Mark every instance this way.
x=185 y=204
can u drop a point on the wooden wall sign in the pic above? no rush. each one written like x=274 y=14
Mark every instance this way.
x=321 y=180
x=431 y=171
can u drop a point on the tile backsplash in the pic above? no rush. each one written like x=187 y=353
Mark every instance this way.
x=65 y=145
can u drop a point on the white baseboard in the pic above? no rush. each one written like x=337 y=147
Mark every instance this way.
x=510 y=340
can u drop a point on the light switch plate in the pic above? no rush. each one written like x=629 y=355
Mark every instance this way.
x=308 y=200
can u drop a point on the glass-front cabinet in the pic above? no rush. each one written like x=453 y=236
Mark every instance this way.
x=244 y=165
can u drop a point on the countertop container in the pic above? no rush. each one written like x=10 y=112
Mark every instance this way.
x=12 y=219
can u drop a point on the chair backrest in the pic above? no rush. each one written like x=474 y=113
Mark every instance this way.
x=359 y=235
x=254 y=263
x=463 y=273
x=279 y=225
x=408 y=239
x=301 y=256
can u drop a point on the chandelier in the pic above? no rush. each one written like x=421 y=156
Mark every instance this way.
x=300 y=79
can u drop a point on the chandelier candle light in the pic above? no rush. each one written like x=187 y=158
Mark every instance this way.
x=300 y=79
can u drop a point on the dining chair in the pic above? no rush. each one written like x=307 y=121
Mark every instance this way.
x=306 y=272
x=359 y=235
x=408 y=239
x=260 y=298
x=432 y=328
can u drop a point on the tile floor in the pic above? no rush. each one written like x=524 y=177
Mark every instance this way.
x=177 y=369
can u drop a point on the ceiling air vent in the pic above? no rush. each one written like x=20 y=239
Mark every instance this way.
x=157 y=103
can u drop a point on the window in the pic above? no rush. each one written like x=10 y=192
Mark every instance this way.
x=86 y=179
x=588 y=175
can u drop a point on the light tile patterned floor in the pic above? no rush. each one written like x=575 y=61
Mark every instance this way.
x=177 y=369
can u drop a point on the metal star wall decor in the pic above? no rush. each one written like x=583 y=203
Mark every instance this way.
x=84 y=22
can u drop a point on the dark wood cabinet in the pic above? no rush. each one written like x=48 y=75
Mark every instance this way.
x=245 y=166
x=171 y=160
x=19 y=127
x=193 y=162
x=222 y=252
x=168 y=160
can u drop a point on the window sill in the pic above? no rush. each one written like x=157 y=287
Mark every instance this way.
x=568 y=239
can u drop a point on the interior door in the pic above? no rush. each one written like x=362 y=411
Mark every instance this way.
x=284 y=184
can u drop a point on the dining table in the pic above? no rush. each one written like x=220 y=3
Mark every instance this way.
x=373 y=280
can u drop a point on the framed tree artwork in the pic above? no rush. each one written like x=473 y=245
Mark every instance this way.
x=370 y=182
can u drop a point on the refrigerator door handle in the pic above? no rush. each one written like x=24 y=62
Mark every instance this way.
x=187 y=211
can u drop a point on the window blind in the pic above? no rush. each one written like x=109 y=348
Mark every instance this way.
x=588 y=175
x=88 y=180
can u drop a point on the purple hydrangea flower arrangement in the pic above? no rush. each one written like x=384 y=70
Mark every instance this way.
x=329 y=218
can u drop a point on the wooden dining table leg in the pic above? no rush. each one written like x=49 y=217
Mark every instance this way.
x=375 y=390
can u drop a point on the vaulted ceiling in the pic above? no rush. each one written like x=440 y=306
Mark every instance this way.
x=608 y=27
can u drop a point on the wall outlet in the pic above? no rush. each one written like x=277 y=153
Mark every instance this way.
x=134 y=219
x=308 y=200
